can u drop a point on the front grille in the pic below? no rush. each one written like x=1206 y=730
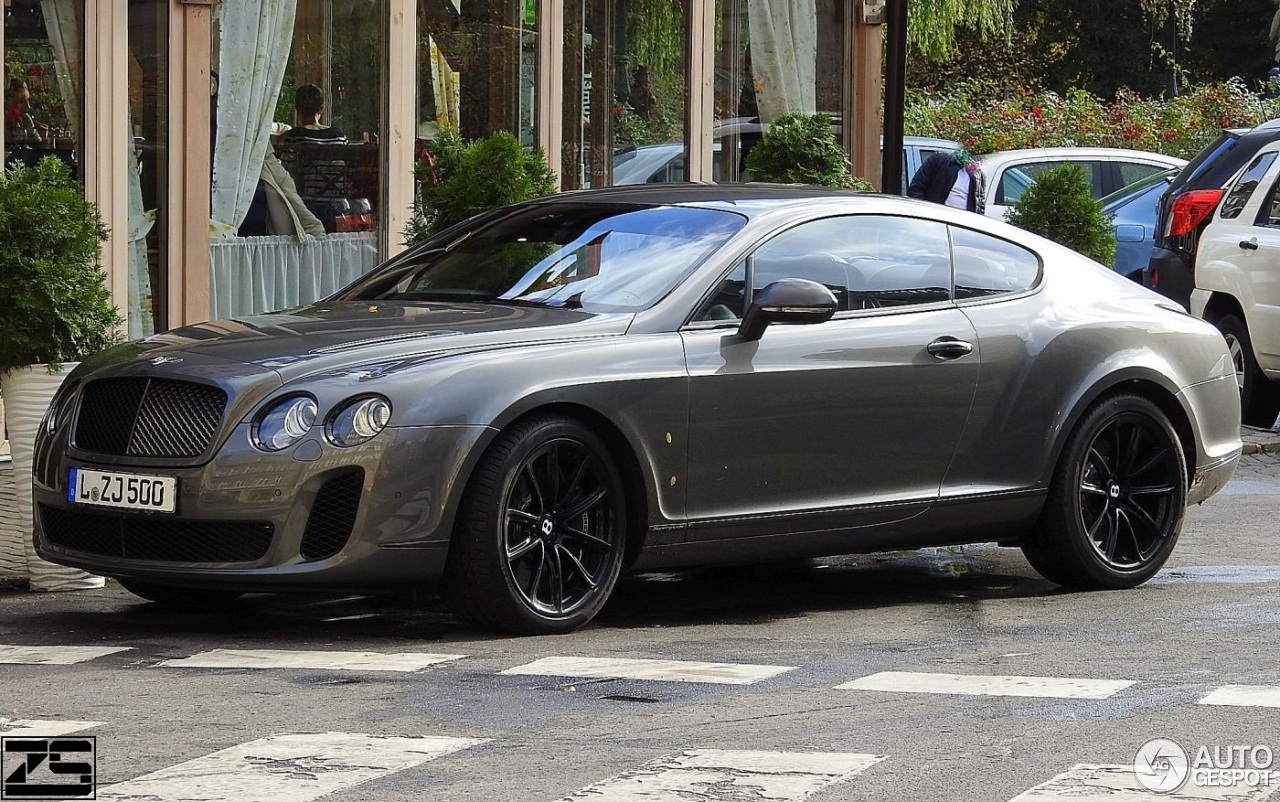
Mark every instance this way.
x=141 y=417
x=332 y=516
x=153 y=538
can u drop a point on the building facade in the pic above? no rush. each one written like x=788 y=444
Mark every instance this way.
x=251 y=155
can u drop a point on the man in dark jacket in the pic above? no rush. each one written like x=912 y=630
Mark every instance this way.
x=952 y=179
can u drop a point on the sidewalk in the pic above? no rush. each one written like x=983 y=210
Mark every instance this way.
x=1261 y=440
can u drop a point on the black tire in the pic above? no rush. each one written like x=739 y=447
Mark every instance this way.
x=541 y=531
x=175 y=596
x=1116 y=503
x=1259 y=396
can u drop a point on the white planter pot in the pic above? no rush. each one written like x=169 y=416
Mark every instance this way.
x=27 y=393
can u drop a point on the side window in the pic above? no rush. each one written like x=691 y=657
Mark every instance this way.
x=1269 y=215
x=987 y=266
x=1015 y=180
x=868 y=261
x=1133 y=172
x=1244 y=186
x=729 y=300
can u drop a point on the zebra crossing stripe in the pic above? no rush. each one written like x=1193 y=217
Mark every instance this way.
x=284 y=768
x=979 y=685
x=34 y=728
x=665 y=670
x=338 y=661
x=729 y=774
x=1244 y=696
x=55 y=655
x=1086 y=782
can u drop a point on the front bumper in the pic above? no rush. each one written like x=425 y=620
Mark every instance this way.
x=392 y=526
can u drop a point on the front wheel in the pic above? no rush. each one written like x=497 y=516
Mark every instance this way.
x=541 y=531
x=1115 y=507
x=1259 y=396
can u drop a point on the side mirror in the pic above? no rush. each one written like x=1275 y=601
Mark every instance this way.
x=788 y=300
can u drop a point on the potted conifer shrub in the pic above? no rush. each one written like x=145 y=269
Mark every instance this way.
x=1060 y=206
x=56 y=311
x=802 y=149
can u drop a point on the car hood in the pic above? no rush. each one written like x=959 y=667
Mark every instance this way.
x=325 y=336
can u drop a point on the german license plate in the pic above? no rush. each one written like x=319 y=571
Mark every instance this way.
x=129 y=491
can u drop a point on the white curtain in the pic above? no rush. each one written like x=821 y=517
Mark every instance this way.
x=784 y=55
x=262 y=274
x=256 y=37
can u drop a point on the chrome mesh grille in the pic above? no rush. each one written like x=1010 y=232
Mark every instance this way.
x=142 y=417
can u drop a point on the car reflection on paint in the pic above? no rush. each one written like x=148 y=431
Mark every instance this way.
x=530 y=403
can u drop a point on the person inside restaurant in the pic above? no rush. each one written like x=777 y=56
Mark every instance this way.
x=20 y=128
x=308 y=101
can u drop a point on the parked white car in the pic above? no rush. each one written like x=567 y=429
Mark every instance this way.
x=1237 y=277
x=1008 y=173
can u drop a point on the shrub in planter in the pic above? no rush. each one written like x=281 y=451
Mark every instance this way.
x=56 y=307
x=462 y=179
x=1060 y=206
x=801 y=149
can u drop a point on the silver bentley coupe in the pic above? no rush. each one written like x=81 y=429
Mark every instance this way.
x=520 y=408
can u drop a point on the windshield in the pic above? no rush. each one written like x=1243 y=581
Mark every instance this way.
x=595 y=257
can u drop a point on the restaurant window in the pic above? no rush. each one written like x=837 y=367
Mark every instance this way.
x=772 y=57
x=626 y=92
x=476 y=69
x=296 y=153
x=148 y=163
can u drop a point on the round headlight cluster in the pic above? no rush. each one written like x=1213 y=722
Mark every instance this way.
x=285 y=423
x=359 y=420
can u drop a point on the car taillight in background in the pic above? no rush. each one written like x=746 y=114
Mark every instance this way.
x=1190 y=210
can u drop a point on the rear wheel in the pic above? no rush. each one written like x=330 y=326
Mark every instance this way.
x=176 y=596
x=1116 y=503
x=541 y=532
x=1259 y=396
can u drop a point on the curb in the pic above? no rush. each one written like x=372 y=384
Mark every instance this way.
x=1261 y=448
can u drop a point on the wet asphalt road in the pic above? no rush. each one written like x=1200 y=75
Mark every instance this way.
x=1208 y=621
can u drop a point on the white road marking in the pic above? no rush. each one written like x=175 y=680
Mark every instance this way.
x=34 y=728
x=55 y=655
x=284 y=768
x=1244 y=696
x=979 y=685
x=666 y=670
x=729 y=774
x=284 y=658
x=1119 y=784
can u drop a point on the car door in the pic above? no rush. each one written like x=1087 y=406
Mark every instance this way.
x=848 y=422
x=1239 y=253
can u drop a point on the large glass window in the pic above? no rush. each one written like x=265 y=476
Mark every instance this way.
x=44 y=80
x=296 y=154
x=148 y=161
x=626 y=91
x=476 y=68
x=772 y=57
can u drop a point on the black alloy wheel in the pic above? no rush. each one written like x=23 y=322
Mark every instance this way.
x=1115 y=508
x=541 y=540
x=1259 y=396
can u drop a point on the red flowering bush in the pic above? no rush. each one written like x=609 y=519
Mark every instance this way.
x=986 y=118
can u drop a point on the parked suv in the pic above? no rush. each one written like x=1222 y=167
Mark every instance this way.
x=1237 y=275
x=1185 y=208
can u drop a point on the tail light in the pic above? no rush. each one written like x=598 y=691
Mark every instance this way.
x=1190 y=210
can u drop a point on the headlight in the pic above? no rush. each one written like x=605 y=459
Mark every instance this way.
x=359 y=420
x=285 y=423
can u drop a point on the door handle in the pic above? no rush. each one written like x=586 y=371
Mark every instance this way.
x=949 y=348
x=1250 y=244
